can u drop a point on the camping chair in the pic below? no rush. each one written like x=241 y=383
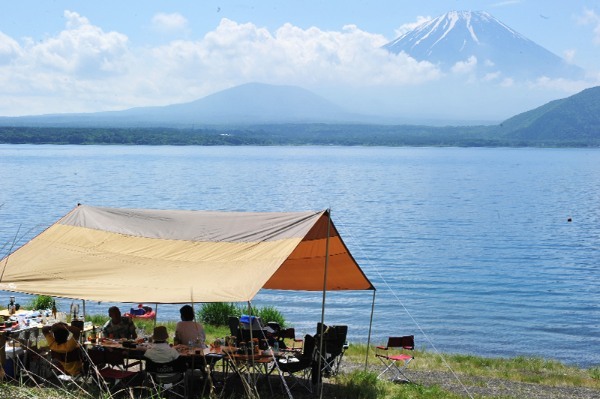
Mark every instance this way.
x=109 y=366
x=290 y=335
x=57 y=370
x=169 y=378
x=394 y=356
x=234 y=327
x=300 y=364
x=251 y=328
x=334 y=347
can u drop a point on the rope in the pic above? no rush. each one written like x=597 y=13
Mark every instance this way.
x=346 y=234
x=275 y=363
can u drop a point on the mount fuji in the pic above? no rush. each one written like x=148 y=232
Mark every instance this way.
x=477 y=40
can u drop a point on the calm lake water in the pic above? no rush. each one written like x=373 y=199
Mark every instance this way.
x=470 y=249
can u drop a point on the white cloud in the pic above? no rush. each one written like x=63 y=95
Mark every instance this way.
x=492 y=76
x=236 y=53
x=9 y=49
x=85 y=69
x=463 y=67
x=174 y=22
x=505 y=3
x=569 y=55
x=590 y=17
x=80 y=50
x=411 y=25
x=562 y=85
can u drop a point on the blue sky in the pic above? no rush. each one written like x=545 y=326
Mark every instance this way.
x=84 y=56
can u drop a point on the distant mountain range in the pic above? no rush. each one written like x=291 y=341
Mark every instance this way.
x=572 y=121
x=252 y=103
x=479 y=38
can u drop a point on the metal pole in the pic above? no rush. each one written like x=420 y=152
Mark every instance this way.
x=370 y=326
x=155 y=315
x=320 y=381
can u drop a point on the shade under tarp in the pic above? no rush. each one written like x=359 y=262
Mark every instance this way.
x=176 y=256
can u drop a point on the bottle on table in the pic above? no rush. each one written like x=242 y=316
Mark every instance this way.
x=93 y=335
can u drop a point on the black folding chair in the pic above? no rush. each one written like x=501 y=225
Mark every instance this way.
x=299 y=366
x=290 y=335
x=334 y=347
x=396 y=356
x=169 y=378
x=234 y=327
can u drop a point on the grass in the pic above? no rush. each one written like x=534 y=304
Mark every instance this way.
x=365 y=385
x=518 y=369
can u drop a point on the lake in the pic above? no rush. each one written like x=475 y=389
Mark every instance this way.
x=471 y=249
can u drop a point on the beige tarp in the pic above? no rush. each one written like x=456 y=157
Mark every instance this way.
x=176 y=256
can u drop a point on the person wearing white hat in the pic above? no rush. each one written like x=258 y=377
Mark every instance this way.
x=161 y=351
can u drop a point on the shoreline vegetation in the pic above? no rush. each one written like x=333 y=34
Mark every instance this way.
x=295 y=135
x=433 y=375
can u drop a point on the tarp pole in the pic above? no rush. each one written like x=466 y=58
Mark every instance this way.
x=156 y=315
x=320 y=381
x=369 y=336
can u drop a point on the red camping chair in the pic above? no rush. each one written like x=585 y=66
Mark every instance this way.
x=394 y=356
x=109 y=366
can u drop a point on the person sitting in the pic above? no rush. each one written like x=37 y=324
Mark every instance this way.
x=118 y=326
x=160 y=351
x=189 y=331
x=140 y=311
x=65 y=348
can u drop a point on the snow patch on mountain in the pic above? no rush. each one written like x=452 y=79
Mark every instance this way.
x=458 y=36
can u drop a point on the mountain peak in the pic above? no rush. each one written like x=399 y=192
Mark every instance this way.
x=487 y=44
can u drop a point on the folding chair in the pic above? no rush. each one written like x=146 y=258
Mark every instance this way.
x=110 y=366
x=290 y=335
x=170 y=378
x=394 y=356
x=58 y=371
x=234 y=327
x=334 y=347
x=301 y=363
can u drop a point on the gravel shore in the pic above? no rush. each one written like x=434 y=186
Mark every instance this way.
x=470 y=386
x=498 y=387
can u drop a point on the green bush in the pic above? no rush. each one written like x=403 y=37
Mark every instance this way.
x=41 y=302
x=269 y=313
x=217 y=313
